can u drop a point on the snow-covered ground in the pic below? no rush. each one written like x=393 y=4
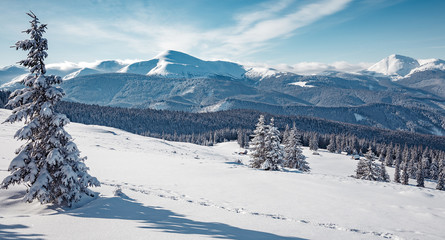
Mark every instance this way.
x=183 y=191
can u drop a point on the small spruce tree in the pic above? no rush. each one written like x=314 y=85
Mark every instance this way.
x=293 y=155
x=384 y=176
x=313 y=142
x=441 y=178
x=274 y=150
x=388 y=158
x=413 y=160
x=405 y=172
x=397 y=173
x=434 y=169
x=258 y=144
x=370 y=154
x=286 y=134
x=426 y=163
x=331 y=146
x=397 y=166
x=420 y=178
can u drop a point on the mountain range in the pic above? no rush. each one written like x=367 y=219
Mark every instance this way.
x=398 y=92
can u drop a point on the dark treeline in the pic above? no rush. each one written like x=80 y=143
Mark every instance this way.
x=207 y=128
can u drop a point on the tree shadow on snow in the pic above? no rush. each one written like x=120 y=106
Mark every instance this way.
x=8 y=232
x=124 y=208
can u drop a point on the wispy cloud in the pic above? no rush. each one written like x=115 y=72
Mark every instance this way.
x=308 y=68
x=250 y=31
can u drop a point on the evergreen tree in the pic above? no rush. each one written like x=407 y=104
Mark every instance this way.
x=412 y=167
x=370 y=154
x=384 y=176
x=338 y=144
x=405 y=172
x=420 y=175
x=365 y=170
x=274 y=150
x=397 y=165
x=354 y=145
x=49 y=163
x=258 y=144
x=397 y=173
x=313 y=142
x=440 y=182
x=441 y=178
x=331 y=146
x=426 y=163
x=293 y=154
x=381 y=157
x=406 y=154
x=369 y=170
x=388 y=159
x=286 y=134
x=434 y=169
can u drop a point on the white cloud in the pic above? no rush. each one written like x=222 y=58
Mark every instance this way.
x=309 y=68
x=67 y=66
x=281 y=26
x=251 y=32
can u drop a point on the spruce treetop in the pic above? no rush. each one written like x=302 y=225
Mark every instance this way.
x=36 y=45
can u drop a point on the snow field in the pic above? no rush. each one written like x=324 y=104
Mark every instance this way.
x=176 y=190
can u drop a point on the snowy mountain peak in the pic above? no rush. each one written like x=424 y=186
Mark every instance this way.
x=180 y=65
x=395 y=65
x=177 y=57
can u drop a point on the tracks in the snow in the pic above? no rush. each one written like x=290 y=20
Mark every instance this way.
x=168 y=194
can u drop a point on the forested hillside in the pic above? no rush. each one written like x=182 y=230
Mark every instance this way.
x=174 y=124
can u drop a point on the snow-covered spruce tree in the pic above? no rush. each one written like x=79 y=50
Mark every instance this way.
x=285 y=134
x=420 y=178
x=49 y=163
x=339 y=143
x=434 y=169
x=412 y=169
x=384 y=176
x=426 y=163
x=293 y=155
x=381 y=157
x=405 y=171
x=441 y=178
x=441 y=182
x=388 y=157
x=313 y=142
x=274 y=150
x=369 y=155
x=331 y=146
x=396 y=172
x=397 y=166
x=365 y=170
x=257 y=144
x=370 y=170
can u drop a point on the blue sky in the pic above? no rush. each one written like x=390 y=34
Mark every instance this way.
x=347 y=32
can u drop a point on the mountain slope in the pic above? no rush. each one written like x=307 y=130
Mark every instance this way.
x=431 y=81
x=11 y=74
